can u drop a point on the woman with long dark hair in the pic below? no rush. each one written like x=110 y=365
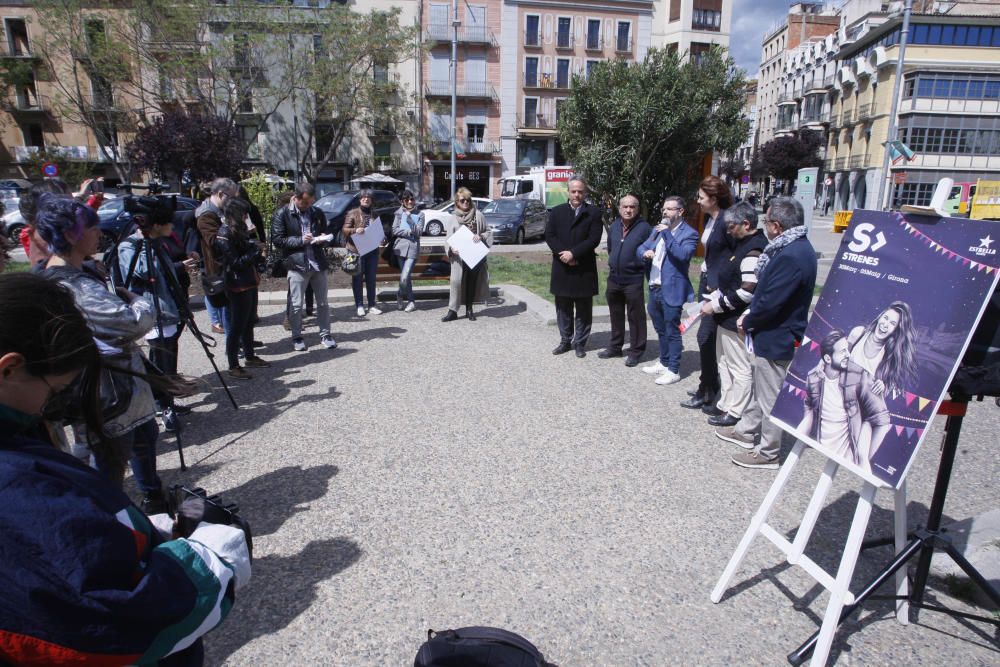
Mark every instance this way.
x=885 y=348
x=117 y=319
x=714 y=196
x=86 y=577
x=357 y=221
x=239 y=255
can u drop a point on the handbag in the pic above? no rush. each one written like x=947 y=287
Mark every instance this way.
x=275 y=266
x=214 y=288
x=351 y=264
x=478 y=645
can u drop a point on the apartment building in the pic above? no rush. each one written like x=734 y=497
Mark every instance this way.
x=478 y=116
x=692 y=26
x=949 y=107
x=545 y=43
x=806 y=23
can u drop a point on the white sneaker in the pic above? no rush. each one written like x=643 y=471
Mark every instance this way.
x=668 y=377
x=374 y=310
x=329 y=343
x=361 y=311
x=410 y=307
x=654 y=369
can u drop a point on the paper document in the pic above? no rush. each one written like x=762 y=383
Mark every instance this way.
x=370 y=239
x=322 y=238
x=471 y=252
x=692 y=315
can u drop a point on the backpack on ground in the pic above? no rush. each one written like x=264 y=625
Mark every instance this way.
x=478 y=647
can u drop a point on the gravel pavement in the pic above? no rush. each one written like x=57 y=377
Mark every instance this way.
x=428 y=475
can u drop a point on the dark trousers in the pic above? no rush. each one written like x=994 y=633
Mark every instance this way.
x=138 y=447
x=365 y=279
x=163 y=355
x=708 y=381
x=470 y=277
x=239 y=328
x=574 y=328
x=627 y=301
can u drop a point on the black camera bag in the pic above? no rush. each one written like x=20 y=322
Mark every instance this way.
x=478 y=646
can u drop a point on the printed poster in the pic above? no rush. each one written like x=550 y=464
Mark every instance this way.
x=902 y=300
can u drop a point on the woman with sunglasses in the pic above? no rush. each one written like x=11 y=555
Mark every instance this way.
x=86 y=577
x=357 y=221
x=118 y=320
x=406 y=230
x=471 y=284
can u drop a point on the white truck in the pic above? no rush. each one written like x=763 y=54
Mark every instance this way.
x=547 y=184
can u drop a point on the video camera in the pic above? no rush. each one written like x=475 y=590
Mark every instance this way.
x=191 y=506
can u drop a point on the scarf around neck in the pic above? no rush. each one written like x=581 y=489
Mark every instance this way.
x=776 y=244
x=467 y=219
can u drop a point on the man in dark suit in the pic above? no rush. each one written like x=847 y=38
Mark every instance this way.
x=775 y=322
x=625 y=278
x=573 y=233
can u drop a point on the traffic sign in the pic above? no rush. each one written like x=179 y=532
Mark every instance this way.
x=50 y=169
x=899 y=177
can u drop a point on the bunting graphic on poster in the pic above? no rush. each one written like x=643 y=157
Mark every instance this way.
x=899 y=306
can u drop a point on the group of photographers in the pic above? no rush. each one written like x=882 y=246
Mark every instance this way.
x=86 y=576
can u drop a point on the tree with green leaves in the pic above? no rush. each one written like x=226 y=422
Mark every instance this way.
x=644 y=127
x=782 y=157
x=348 y=89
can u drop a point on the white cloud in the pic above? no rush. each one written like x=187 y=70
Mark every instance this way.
x=751 y=19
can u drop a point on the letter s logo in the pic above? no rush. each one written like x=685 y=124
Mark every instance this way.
x=862 y=241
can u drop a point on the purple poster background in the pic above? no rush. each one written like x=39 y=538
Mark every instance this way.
x=869 y=403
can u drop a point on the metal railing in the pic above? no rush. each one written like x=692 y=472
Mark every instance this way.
x=565 y=40
x=546 y=82
x=817 y=117
x=474 y=34
x=858 y=161
x=785 y=124
x=27 y=102
x=442 y=88
x=533 y=38
x=623 y=45
x=482 y=147
x=785 y=98
x=847 y=117
x=593 y=43
x=841 y=164
x=382 y=163
x=536 y=121
x=864 y=111
x=829 y=81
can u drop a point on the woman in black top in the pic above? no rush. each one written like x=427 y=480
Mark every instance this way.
x=239 y=255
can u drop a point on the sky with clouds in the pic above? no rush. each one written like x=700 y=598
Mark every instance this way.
x=751 y=19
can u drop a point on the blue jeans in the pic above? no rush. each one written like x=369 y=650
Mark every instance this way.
x=365 y=279
x=216 y=316
x=666 y=322
x=405 y=279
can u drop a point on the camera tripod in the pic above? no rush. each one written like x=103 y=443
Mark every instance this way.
x=149 y=249
x=923 y=543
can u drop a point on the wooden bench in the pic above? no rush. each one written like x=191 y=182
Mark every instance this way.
x=430 y=252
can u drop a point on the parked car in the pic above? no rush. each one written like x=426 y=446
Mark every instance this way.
x=337 y=204
x=115 y=219
x=514 y=220
x=12 y=223
x=434 y=216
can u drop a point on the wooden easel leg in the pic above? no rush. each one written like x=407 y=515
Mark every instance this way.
x=758 y=520
x=841 y=589
x=902 y=583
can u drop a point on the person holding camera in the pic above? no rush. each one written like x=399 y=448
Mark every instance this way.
x=118 y=319
x=153 y=228
x=86 y=577
x=241 y=259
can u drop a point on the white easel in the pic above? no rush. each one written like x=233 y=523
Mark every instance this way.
x=840 y=595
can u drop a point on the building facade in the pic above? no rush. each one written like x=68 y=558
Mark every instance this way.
x=692 y=26
x=545 y=43
x=948 y=114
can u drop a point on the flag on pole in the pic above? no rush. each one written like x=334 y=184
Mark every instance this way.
x=899 y=151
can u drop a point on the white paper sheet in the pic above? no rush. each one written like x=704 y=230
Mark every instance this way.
x=370 y=239
x=471 y=252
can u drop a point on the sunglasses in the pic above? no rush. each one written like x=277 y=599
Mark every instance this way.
x=407 y=199
x=463 y=200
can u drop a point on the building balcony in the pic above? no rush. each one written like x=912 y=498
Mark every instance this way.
x=382 y=163
x=594 y=44
x=18 y=50
x=859 y=161
x=546 y=82
x=822 y=117
x=847 y=118
x=565 y=41
x=467 y=89
x=23 y=103
x=829 y=81
x=380 y=129
x=535 y=122
x=785 y=124
x=475 y=34
x=785 y=98
x=840 y=164
x=623 y=45
x=864 y=111
x=482 y=148
x=478 y=148
x=532 y=39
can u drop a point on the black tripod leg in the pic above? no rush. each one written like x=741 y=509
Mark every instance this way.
x=180 y=447
x=802 y=653
x=967 y=567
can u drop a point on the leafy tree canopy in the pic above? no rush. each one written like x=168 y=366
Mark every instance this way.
x=782 y=157
x=643 y=128
x=209 y=146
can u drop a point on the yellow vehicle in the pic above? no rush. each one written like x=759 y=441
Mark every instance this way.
x=841 y=219
x=986 y=201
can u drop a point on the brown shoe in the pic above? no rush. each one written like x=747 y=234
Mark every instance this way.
x=239 y=373
x=256 y=362
x=217 y=328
